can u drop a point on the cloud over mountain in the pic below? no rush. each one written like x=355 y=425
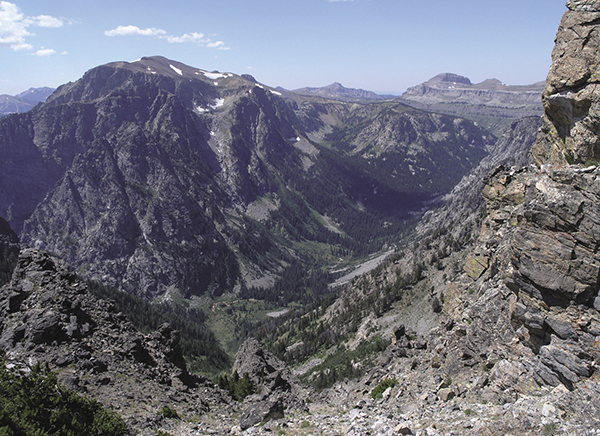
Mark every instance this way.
x=194 y=37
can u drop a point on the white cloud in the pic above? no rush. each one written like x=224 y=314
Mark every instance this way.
x=217 y=44
x=134 y=30
x=43 y=52
x=47 y=21
x=14 y=25
x=194 y=37
x=21 y=46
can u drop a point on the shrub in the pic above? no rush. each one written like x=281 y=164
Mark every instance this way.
x=35 y=404
x=238 y=388
x=381 y=387
x=167 y=412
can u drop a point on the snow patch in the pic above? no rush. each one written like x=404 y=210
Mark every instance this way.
x=275 y=92
x=214 y=76
x=217 y=103
x=177 y=70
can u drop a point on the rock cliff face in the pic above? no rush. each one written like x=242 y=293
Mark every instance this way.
x=279 y=390
x=571 y=129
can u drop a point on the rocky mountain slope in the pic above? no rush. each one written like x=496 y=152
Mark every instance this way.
x=491 y=103
x=163 y=179
x=487 y=322
x=49 y=316
x=24 y=101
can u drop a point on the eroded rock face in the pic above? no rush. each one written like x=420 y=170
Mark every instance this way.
x=553 y=219
x=571 y=130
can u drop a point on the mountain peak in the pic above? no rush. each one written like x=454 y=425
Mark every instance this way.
x=450 y=78
x=338 y=91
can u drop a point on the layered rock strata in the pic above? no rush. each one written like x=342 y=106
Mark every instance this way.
x=571 y=130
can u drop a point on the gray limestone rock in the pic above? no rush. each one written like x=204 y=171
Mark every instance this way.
x=260 y=412
x=571 y=102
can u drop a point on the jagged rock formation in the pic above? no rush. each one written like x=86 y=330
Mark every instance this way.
x=279 y=390
x=49 y=316
x=160 y=179
x=491 y=103
x=571 y=97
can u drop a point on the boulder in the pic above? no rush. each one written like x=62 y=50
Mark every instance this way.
x=260 y=412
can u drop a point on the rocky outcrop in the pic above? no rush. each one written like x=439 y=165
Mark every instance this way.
x=9 y=251
x=279 y=390
x=552 y=219
x=571 y=133
x=48 y=316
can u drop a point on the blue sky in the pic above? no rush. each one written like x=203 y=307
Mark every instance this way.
x=379 y=45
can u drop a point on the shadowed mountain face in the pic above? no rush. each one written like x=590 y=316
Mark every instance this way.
x=157 y=177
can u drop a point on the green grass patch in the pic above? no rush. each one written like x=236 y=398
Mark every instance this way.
x=382 y=387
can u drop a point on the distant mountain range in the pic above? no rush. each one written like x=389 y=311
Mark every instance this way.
x=490 y=103
x=24 y=101
x=338 y=91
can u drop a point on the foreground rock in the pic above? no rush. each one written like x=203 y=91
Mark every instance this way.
x=49 y=316
x=279 y=389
